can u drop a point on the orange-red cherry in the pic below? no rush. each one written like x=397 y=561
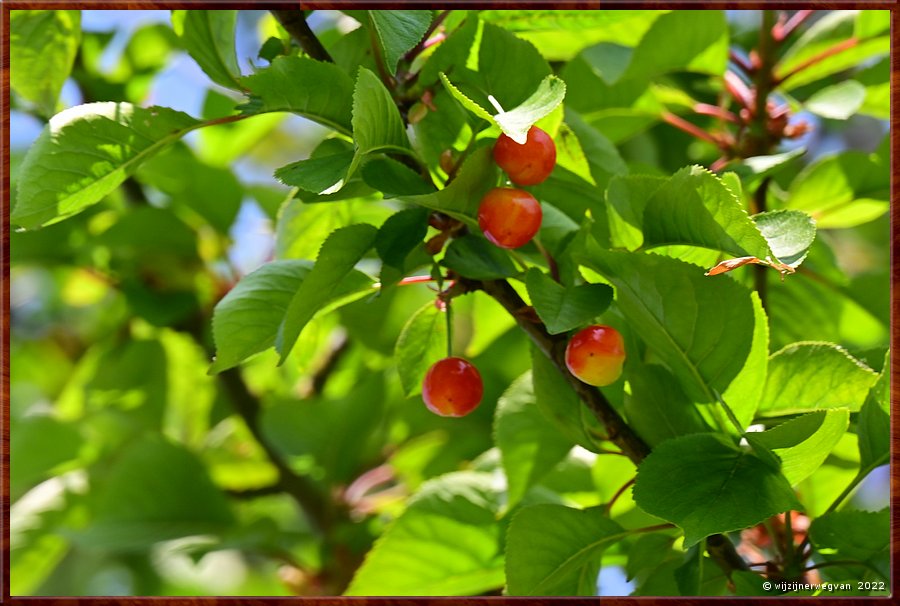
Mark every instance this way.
x=509 y=217
x=452 y=388
x=527 y=164
x=595 y=355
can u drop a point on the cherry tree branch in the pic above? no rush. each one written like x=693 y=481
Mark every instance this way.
x=295 y=24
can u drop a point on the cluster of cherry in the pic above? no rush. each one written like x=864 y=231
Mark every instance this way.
x=510 y=218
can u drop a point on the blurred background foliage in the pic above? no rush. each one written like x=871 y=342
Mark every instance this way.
x=135 y=472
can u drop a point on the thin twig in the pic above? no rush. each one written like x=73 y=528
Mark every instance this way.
x=618 y=494
x=782 y=31
x=692 y=129
x=295 y=23
x=423 y=43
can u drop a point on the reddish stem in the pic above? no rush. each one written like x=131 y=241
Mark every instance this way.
x=783 y=30
x=738 y=89
x=834 y=50
x=618 y=494
x=692 y=129
x=714 y=110
x=422 y=280
x=740 y=62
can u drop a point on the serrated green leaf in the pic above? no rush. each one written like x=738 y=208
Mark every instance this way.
x=394 y=179
x=745 y=390
x=398 y=31
x=811 y=376
x=874 y=422
x=377 y=125
x=870 y=23
x=563 y=308
x=694 y=207
x=467 y=103
x=246 y=320
x=560 y=405
x=700 y=482
x=322 y=92
x=400 y=234
x=702 y=330
x=802 y=444
x=446 y=542
x=42 y=49
x=422 y=342
x=548 y=546
x=647 y=552
x=870 y=533
x=87 y=151
x=208 y=37
x=518 y=121
x=789 y=234
x=476 y=258
x=602 y=156
x=323 y=175
x=657 y=407
x=839 y=101
x=626 y=197
x=528 y=451
x=340 y=252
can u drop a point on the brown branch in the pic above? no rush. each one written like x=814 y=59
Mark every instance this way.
x=295 y=24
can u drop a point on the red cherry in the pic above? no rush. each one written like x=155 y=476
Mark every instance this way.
x=595 y=355
x=527 y=164
x=452 y=388
x=509 y=217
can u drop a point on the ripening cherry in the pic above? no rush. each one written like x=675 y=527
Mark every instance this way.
x=595 y=355
x=509 y=217
x=527 y=164
x=452 y=388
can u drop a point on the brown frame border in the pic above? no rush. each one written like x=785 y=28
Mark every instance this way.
x=890 y=5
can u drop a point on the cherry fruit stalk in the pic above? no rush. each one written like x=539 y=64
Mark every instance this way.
x=595 y=355
x=508 y=217
x=452 y=387
x=529 y=163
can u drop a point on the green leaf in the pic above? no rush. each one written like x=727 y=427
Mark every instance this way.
x=843 y=190
x=136 y=506
x=694 y=41
x=657 y=407
x=609 y=60
x=87 y=151
x=700 y=482
x=603 y=158
x=874 y=422
x=400 y=235
x=812 y=376
x=626 y=198
x=694 y=207
x=37 y=445
x=42 y=49
x=446 y=542
x=701 y=329
x=854 y=535
x=518 y=121
x=789 y=234
x=394 y=179
x=399 y=31
x=549 y=547
x=422 y=342
x=340 y=252
x=322 y=92
x=802 y=444
x=465 y=101
x=564 y=308
x=559 y=403
x=870 y=23
x=323 y=175
x=476 y=258
x=377 y=125
x=509 y=68
x=839 y=101
x=246 y=320
x=208 y=37
x=528 y=451
x=745 y=390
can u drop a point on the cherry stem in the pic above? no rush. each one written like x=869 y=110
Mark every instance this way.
x=448 y=309
x=834 y=50
x=551 y=262
x=782 y=31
